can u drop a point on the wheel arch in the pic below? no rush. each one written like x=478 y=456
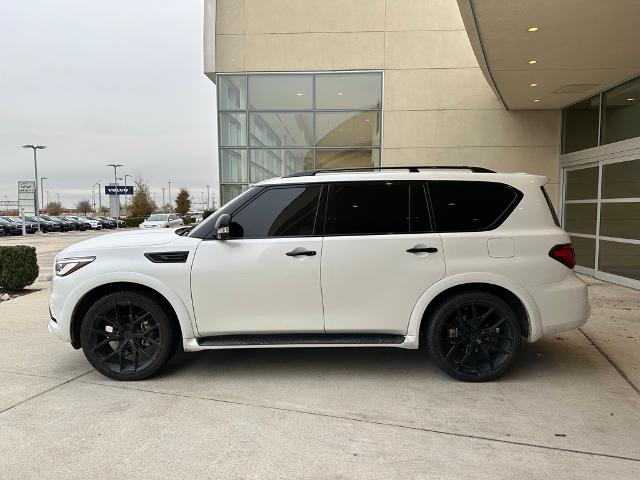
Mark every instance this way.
x=515 y=296
x=85 y=302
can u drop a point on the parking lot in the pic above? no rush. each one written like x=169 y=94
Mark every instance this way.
x=570 y=407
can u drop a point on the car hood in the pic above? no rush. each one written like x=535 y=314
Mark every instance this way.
x=135 y=238
x=155 y=222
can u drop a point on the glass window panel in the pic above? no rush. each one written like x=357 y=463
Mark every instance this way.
x=582 y=184
x=229 y=192
x=621 y=180
x=420 y=218
x=233 y=165
x=621 y=112
x=280 y=92
x=278 y=212
x=232 y=92
x=620 y=220
x=281 y=129
x=349 y=91
x=580 y=125
x=326 y=158
x=233 y=129
x=580 y=218
x=361 y=208
x=620 y=259
x=268 y=163
x=585 y=249
x=347 y=129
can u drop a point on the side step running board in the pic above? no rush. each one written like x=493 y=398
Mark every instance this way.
x=301 y=339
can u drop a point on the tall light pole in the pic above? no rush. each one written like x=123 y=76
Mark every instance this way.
x=115 y=179
x=125 y=195
x=170 y=201
x=208 y=198
x=99 y=196
x=35 y=166
x=42 y=179
x=163 y=204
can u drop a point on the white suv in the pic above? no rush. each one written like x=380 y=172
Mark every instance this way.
x=462 y=261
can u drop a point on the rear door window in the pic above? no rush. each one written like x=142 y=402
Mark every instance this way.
x=460 y=206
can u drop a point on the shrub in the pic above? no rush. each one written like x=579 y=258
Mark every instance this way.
x=207 y=212
x=133 y=221
x=18 y=267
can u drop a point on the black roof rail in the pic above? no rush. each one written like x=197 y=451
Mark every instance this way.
x=412 y=169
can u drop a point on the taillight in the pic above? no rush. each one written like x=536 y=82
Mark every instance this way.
x=564 y=254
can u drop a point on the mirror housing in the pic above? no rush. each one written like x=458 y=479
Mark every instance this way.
x=221 y=231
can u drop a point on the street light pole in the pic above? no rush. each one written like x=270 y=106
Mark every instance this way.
x=170 y=201
x=42 y=179
x=208 y=199
x=99 y=196
x=115 y=179
x=163 y=204
x=35 y=166
x=125 y=195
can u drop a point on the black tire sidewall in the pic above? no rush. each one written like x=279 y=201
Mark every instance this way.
x=168 y=338
x=444 y=310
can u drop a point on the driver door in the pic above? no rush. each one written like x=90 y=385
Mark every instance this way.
x=266 y=277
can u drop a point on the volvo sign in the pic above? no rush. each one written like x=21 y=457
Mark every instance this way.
x=119 y=190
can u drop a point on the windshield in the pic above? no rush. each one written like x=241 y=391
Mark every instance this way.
x=207 y=224
x=157 y=218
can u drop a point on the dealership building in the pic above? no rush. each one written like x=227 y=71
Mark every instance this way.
x=539 y=86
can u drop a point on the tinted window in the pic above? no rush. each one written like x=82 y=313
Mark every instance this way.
x=471 y=206
x=420 y=221
x=278 y=212
x=368 y=208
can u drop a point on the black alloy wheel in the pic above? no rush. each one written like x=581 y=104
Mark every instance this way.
x=127 y=336
x=474 y=336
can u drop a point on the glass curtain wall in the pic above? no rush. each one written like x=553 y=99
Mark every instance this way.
x=276 y=124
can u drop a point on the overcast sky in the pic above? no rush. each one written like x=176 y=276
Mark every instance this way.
x=101 y=82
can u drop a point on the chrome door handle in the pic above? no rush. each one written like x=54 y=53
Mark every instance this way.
x=422 y=250
x=297 y=253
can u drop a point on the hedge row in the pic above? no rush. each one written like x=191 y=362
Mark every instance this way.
x=18 y=267
x=133 y=221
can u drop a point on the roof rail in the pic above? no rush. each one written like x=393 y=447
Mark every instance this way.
x=412 y=169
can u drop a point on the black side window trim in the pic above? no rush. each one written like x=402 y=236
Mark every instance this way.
x=552 y=210
x=280 y=187
x=496 y=223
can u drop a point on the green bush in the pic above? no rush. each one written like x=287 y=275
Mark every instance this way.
x=18 y=267
x=187 y=220
x=207 y=212
x=133 y=221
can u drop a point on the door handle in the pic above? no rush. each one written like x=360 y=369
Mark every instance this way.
x=422 y=250
x=297 y=253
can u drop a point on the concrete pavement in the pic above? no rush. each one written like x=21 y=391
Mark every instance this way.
x=568 y=409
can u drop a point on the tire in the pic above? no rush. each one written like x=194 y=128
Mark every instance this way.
x=473 y=336
x=127 y=336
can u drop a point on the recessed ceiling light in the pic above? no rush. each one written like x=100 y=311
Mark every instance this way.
x=532 y=29
x=340 y=93
x=367 y=120
x=531 y=62
x=298 y=94
x=536 y=99
x=533 y=84
x=630 y=99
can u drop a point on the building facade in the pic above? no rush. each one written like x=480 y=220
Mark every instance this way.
x=338 y=83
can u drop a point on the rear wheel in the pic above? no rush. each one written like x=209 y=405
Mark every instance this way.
x=474 y=336
x=127 y=336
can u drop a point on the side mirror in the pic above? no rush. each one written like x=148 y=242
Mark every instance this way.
x=222 y=227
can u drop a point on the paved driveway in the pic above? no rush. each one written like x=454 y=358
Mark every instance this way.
x=570 y=408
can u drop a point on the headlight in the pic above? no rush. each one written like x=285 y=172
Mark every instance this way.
x=65 y=266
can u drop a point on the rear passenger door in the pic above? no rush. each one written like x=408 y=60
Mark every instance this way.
x=379 y=255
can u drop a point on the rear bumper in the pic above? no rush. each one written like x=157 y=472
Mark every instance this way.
x=562 y=305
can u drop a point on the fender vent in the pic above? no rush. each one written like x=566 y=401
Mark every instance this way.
x=167 y=257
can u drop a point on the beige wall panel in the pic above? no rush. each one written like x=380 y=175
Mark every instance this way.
x=315 y=51
x=229 y=53
x=302 y=16
x=427 y=89
x=423 y=15
x=429 y=49
x=230 y=16
x=537 y=160
x=457 y=128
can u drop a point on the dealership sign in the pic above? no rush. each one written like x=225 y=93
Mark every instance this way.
x=120 y=190
x=27 y=196
x=27 y=186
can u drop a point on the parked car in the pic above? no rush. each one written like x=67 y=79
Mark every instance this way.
x=94 y=224
x=2 y=234
x=162 y=220
x=195 y=216
x=77 y=224
x=106 y=222
x=10 y=228
x=67 y=225
x=249 y=275
x=55 y=221
x=119 y=222
x=29 y=227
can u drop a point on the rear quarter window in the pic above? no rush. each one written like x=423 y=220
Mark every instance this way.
x=471 y=206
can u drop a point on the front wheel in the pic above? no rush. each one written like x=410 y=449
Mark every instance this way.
x=473 y=336
x=127 y=336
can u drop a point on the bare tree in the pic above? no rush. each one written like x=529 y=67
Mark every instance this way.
x=53 y=208
x=83 y=206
